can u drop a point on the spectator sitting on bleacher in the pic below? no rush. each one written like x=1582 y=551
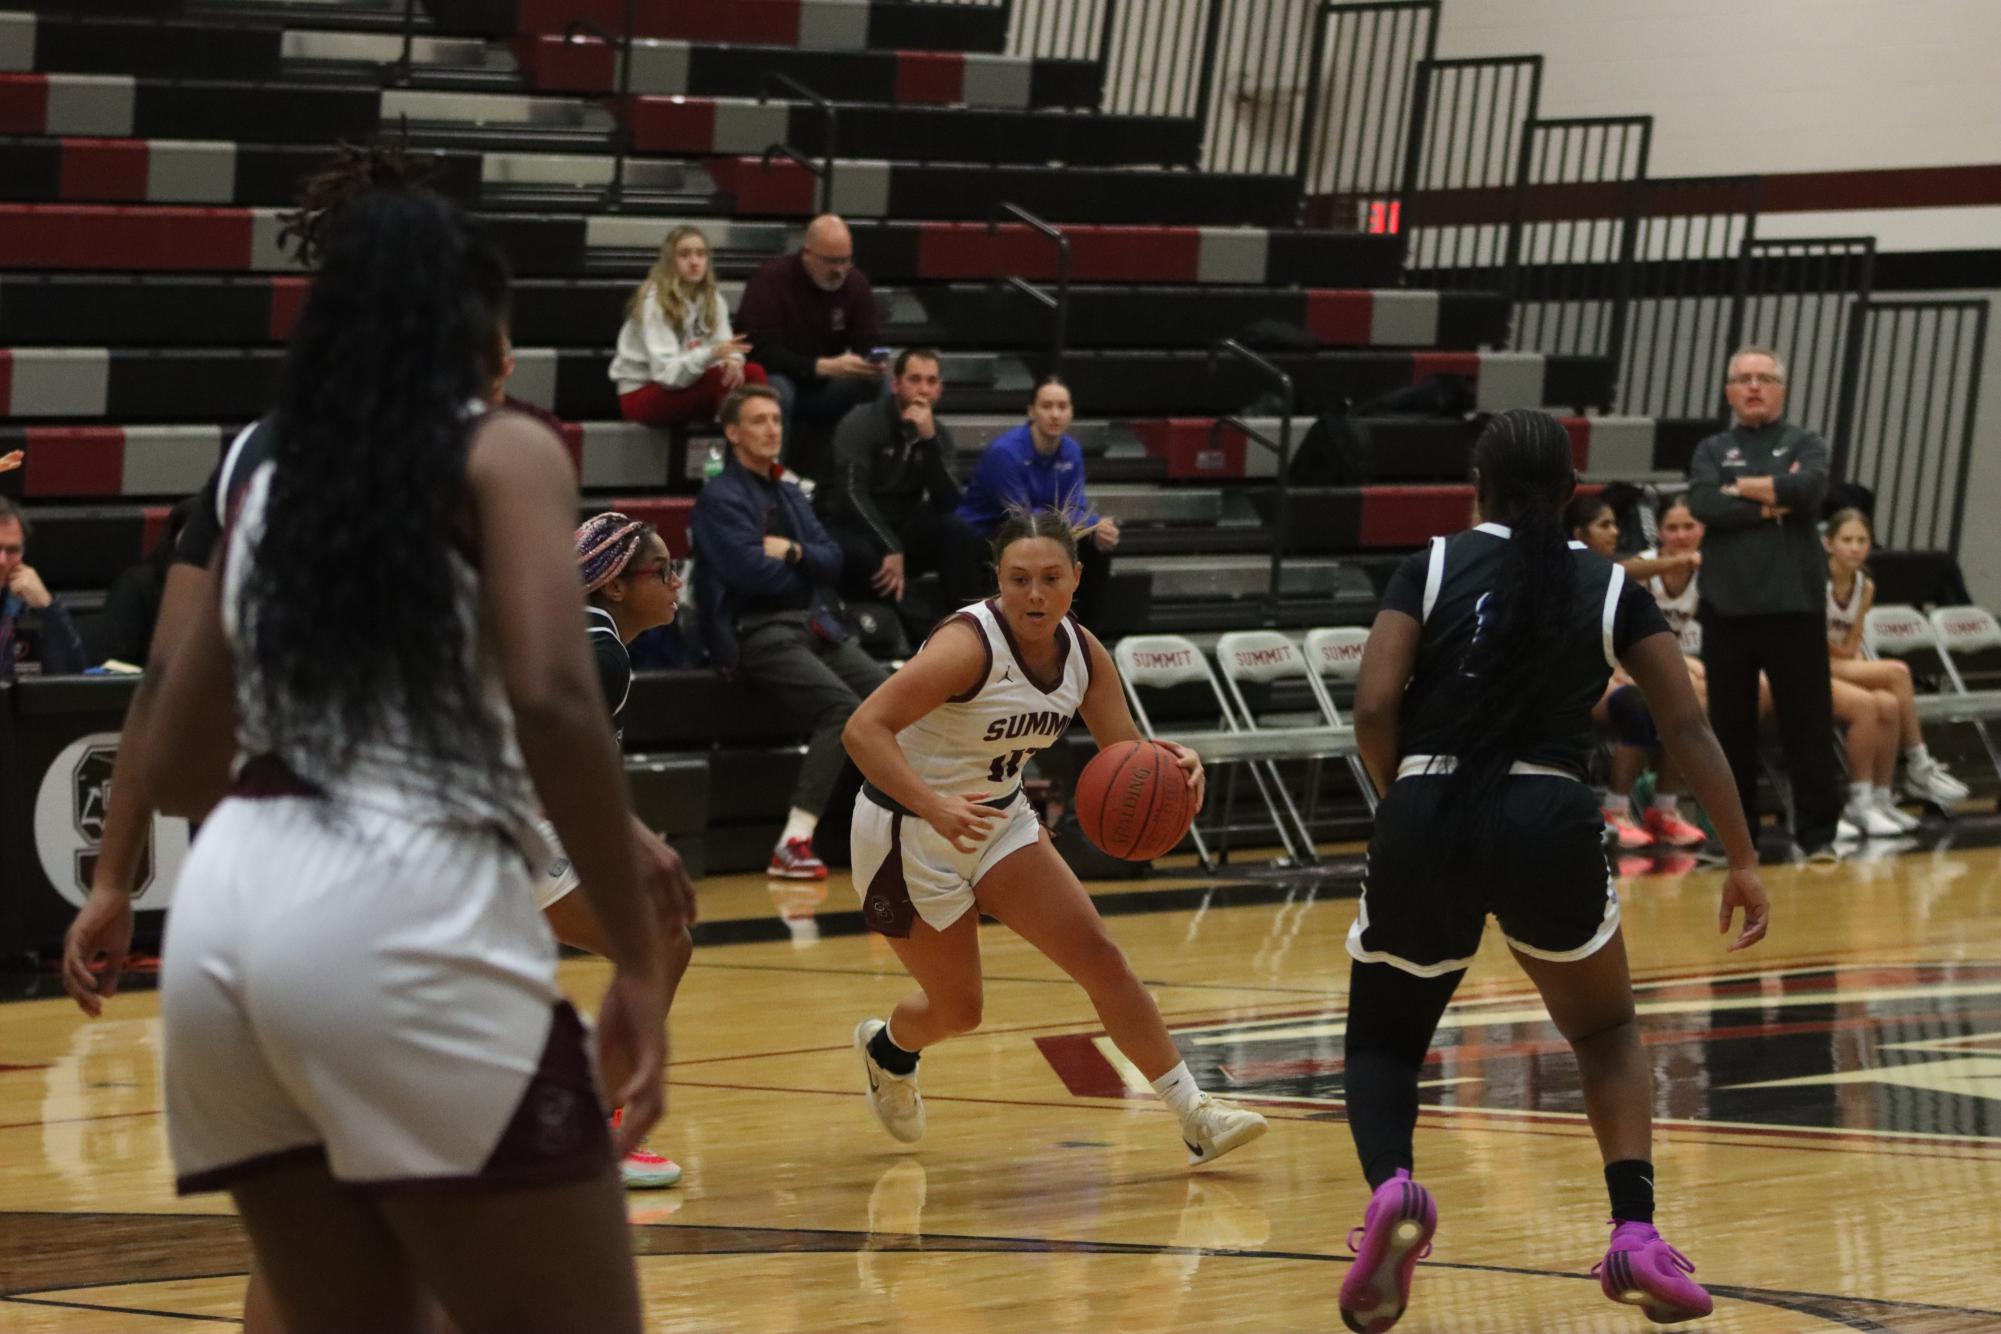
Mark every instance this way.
x=764 y=569
x=1873 y=699
x=59 y=648
x=890 y=500
x=123 y=630
x=1036 y=466
x=811 y=321
x=677 y=357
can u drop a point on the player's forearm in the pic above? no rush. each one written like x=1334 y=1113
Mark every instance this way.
x=873 y=748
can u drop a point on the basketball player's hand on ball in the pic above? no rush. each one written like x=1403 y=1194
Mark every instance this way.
x=632 y=1035
x=1191 y=765
x=1743 y=889
x=961 y=821
x=103 y=927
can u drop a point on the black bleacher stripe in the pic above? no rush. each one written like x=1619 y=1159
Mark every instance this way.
x=901 y=25
x=30 y=171
x=178 y=49
x=274 y=112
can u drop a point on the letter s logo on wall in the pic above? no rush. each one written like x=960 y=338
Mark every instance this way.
x=69 y=825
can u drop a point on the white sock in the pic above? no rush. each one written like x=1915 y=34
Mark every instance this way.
x=799 y=824
x=1861 y=794
x=1666 y=802
x=1918 y=756
x=1177 y=1088
x=1886 y=796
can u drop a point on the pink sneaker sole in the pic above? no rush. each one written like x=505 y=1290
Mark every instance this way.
x=1395 y=1235
x=1653 y=1276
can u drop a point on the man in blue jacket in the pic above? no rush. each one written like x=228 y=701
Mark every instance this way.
x=1036 y=466
x=765 y=569
x=21 y=592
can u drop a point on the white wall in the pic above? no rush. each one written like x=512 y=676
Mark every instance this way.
x=1762 y=85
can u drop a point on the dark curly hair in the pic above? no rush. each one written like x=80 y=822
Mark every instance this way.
x=357 y=624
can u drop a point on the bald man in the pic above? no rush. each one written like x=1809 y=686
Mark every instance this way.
x=812 y=324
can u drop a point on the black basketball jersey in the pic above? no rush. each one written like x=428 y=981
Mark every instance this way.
x=1447 y=588
x=223 y=491
x=614 y=663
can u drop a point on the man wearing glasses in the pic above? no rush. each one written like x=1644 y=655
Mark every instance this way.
x=812 y=324
x=1757 y=488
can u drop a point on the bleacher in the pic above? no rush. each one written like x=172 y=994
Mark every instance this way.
x=144 y=299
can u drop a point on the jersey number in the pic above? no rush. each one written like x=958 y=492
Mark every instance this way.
x=1007 y=766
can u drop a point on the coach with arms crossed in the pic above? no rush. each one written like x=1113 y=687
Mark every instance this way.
x=1757 y=488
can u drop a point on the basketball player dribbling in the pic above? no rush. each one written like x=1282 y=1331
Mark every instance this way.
x=358 y=995
x=942 y=831
x=1472 y=713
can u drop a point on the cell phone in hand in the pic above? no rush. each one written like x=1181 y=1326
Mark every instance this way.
x=878 y=354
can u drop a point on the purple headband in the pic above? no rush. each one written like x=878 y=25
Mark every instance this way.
x=605 y=544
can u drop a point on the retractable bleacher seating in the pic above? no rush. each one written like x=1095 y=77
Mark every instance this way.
x=144 y=300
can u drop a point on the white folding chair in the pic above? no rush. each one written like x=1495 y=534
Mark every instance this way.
x=1335 y=653
x=1161 y=662
x=1964 y=632
x=1896 y=630
x=1264 y=657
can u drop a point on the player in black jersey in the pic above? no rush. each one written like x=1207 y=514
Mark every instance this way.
x=1472 y=713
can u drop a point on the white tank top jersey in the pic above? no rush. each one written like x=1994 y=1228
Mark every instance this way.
x=1841 y=620
x=974 y=745
x=1679 y=610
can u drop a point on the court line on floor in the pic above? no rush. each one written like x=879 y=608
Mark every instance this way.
x=134 y=1310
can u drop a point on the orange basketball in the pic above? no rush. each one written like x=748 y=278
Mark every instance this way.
x=1133 y=801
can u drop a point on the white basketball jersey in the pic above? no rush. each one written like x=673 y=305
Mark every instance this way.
x=975 y=745
x=1679 y=610
x=1841 y=620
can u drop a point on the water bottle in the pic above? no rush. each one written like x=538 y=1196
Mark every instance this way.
x=712 y=468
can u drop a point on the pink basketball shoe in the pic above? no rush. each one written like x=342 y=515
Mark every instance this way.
x=1395 y=1234
x=1641 y=1270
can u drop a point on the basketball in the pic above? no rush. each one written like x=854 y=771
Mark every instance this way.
x=1133 y=801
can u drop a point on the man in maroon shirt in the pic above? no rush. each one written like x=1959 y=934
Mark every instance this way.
x=812 y=324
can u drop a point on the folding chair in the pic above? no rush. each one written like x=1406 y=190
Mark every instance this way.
x=1335 y=653
x=1263 y=658
x=1969 y=643
x=1164 y=662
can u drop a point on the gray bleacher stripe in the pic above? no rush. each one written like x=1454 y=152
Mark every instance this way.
x=747 y=127
x=1510 y=380
x=181 y=172
x=861 y=188
x=170 y=460
x=660 y=67
x=1403 y=319
x=17 y=42
x=545 y=169
x=266 y=254
x=534 y=379
x=997 y=81
x=60 y=382
x=621 y=454
x=603 y=232
x=1232 y=255
x=90 y=105
x=833 y=25
x=1621 y=446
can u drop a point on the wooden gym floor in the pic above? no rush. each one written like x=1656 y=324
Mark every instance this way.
x=1829 y=1148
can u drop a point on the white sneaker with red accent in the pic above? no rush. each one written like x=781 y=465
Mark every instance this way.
x=644 y=1170
x=793 y=859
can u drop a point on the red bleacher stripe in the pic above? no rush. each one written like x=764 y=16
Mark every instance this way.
x=934 y=77
x=1340 y=319
x=1186 y=445
x=6 y=380
x=24 y=103
x=674 y=124
x=1129 y=254
x=94 y=236
x=154 y=517
x=672 y=515
x=1444 y=363
x=1405 y=516
x=75 y=461
x=1579 y=430
x=781 y=187
x=538 y=16
x=110 y=170
x=288 y=298
x=587 y=66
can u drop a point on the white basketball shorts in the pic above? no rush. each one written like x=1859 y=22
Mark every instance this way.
x=903 y=867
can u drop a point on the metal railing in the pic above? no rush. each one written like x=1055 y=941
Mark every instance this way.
x=1281 y=446
x=1059 y=304
x=824 y=169
x=1797 y=295
x=1470 y=124
x=621 y=121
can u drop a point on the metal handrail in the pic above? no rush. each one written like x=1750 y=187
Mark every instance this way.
x=1060 y=303
x=1235 y=349
x=621 y=128
x=825 y=171
x=404 y=62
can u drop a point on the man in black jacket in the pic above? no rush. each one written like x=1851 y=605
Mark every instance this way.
x=892 y=494
x=1757 y=488
x=764 y=569
x=23 y=596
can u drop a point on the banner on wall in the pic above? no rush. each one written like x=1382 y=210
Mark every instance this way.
x=70 y=802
